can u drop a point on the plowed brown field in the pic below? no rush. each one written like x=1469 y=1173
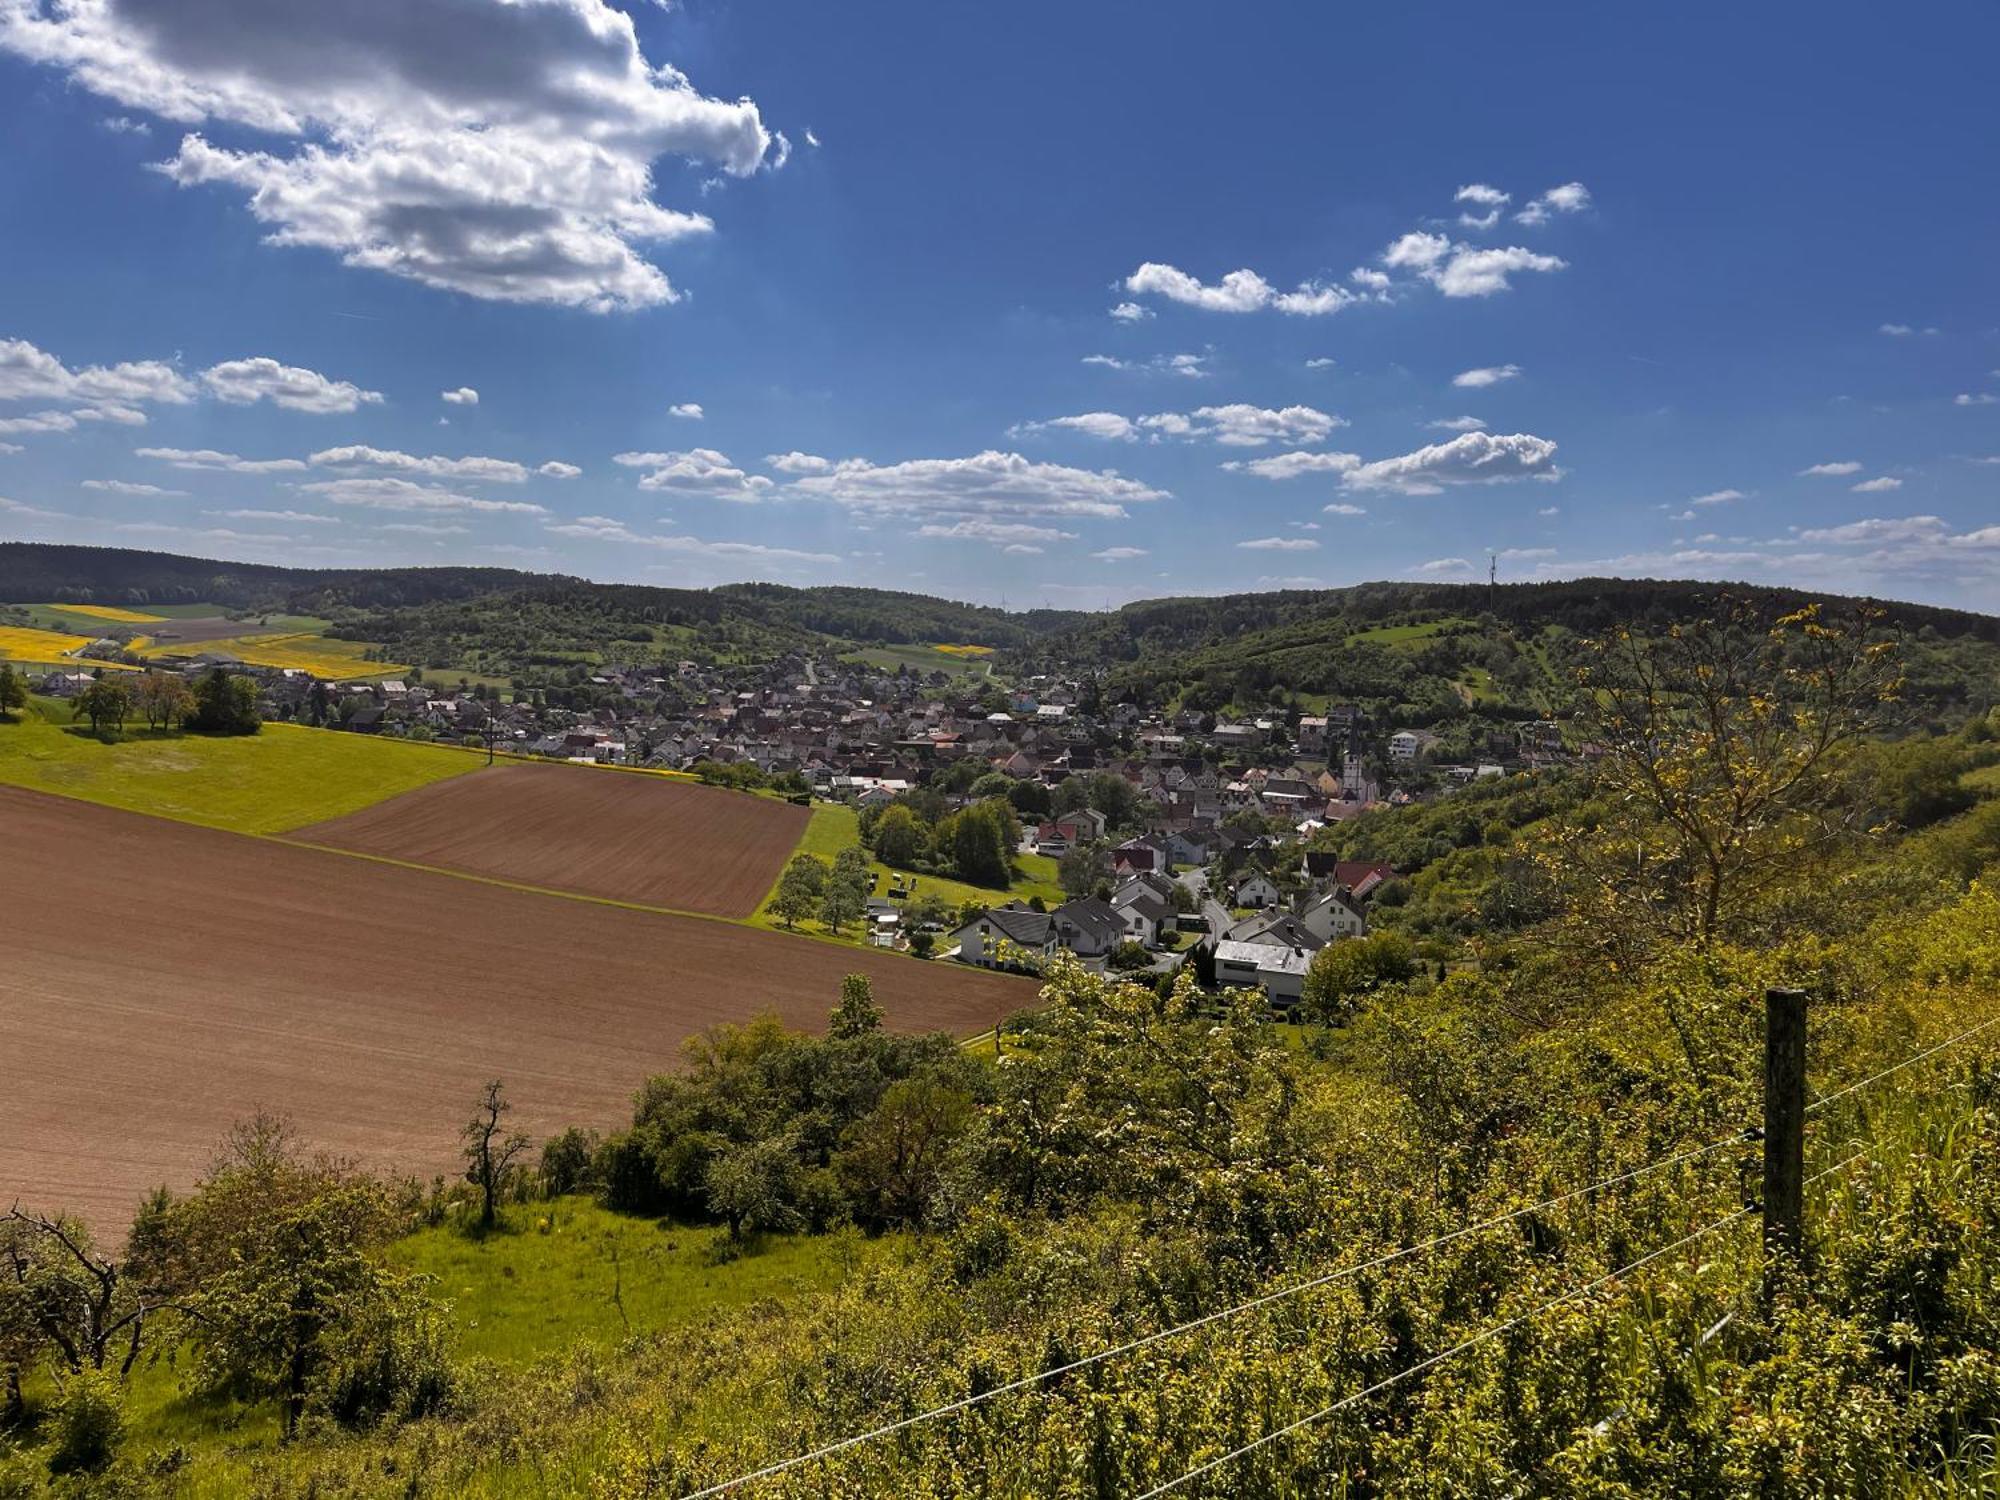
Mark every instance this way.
x=577 y=828
x=367 y=1001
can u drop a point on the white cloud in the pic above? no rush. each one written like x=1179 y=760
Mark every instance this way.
x=388 y=493
x=1370 y=280
x=209 y=458
x=1000 y=533
x=1280 y=544
x=1416 y=251
x=1188 y=366
x=1833 y=470
x=503 y=151
x=697 y=471
x=1484 y=376
x=986 y=484
x=1342 y=508
x=1292 y=465
x=604 y=529
x=1876 y=530
x=1240 y=425
x=796 y=462
x=125 y=487
x=1983 y=398
x=1549 y=510
x=6 y=448
x=1876 y=486
x=1489 y=198
x=28 y=512
x=1481 y=273
x=1443 y=565
x=1238 y=292
x=31 y=374
x=1528 y=554
x=465 y=395
x=1119 y=554
x=1570 y=198
x=689 y=411
x=1459 y=424
x=1905 y=331
x=242 y=382
x=297 y=517
x=1718 y=497
x=1472 y=458
x=436 y=466
x=1131 y=312
x=555 y=468
x=1321 y=363
x=41 y=421
x=425 y=528
x=1107 y=425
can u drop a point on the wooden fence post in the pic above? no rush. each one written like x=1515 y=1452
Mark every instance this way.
x=1784 y=1120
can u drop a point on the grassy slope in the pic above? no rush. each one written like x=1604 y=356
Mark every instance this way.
x=835 y=826
x=561 y=1270
x=283 y=778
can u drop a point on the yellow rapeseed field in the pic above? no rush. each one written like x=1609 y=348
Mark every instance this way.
x=307 y=652
x=50 y=647
x=108 y=612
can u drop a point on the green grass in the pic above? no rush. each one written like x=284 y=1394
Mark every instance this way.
x=1406 y=637
x=1985 y=779
x=571 y=1269
x=283 y=778
x=922 y=659
x=835 y=826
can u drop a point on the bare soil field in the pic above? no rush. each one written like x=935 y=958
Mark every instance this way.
x=575 y=828
x=255 y=973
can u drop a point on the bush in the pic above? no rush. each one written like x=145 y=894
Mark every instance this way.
x=567 y=1161
x=89 y=1422
x=1129 y=956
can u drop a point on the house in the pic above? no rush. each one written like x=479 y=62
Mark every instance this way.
x=1187 y=848
x=1277 y=929
x=1332 y=917
x=1146 y=852
x=1405 y=744
x=1311 y=735
x=1145 y=911
x=1257 y=890
x=1014 y=925
x=1278 y=971
x=1087 y=927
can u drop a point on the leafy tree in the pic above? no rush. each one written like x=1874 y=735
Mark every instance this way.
x=900 y=840
x=162 y=699
x=754 y=1186
x=1080 y=869
x=489 y=1153
x=857 y=1014
x=1128 y=956
x=976 y=838
x=13 y=690
x=106 y=703
x=1343 y=971
x=566 y=1160
x=61 y=1297
x=224 y=704
x=1031 y=799
x=894 y=1160
x=799 y=890
x=844 y=900
x=1115 y=797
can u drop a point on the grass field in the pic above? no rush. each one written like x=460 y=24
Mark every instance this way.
x=570 y=1270
x=280 y=779
x=1404 y=637
x=317 y=654
x=956 y=661
x=836 y=826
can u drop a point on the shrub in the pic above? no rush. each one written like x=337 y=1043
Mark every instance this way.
x=89 y=1422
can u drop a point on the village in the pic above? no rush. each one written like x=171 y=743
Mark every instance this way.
x=1203 y=861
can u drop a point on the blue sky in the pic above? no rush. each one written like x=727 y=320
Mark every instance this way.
x=1051 y=304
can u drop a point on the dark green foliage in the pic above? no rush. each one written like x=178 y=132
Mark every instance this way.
x=224 y=704
x=857 y=1014
x=13 y=690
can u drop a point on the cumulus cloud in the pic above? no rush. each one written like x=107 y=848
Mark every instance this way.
x=1187 y=366
x=1280 y=544
x=1718 y=497
x=1906 y=331
x=1983 y=398
x=297 y=517
x=688 y=411
x=1131 y=312
x=126 y=487
x=1342 y=508
x=1008 y=534
x=796 y=462
x=1834 y=469
x=391 y=493
x=1322 y=362
x=1458 y=424
x=698 y=471
x=1237 y=425
x=1239 y=292
x=209 y=458
x=1460 y=270
x=1108 y=425
x=1877 y=530
x=1570 y=198
x=1484 y=376
x=242 y=382
x=28 y=373
x=1472 y=458
x=41 y=421
x=436 y=466
x=604 y=529
x=465 y=395
x=555 y=468
x=992 y=484
x=499 y=150
x=1119 y=554
x=1293 y=465
x=425 y=528
x=1876 y=486
x=1489 y=198
x=1439 y=565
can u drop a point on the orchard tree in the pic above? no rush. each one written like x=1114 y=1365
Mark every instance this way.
x=489 y=1152
x=857 y=1014
x=106 y=704
x=13 y=691
x=900 y=840
x=163 y=699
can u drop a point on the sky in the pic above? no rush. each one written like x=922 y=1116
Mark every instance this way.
x=1032 y=304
